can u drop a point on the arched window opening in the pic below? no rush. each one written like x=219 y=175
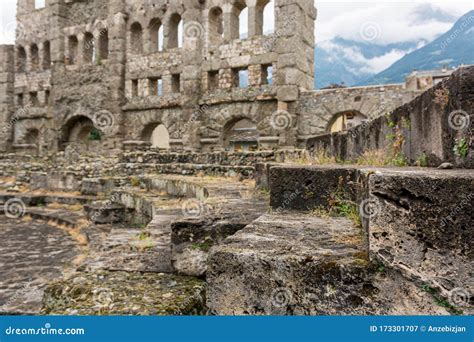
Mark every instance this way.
x=34 y=53
x=21 y=59
x=244 y=23
x=345 y=120
x=32 y=137
x=156 y=35
x=156 y=134
x=241 y=135
x=268 y=19
x=89 y=48
x=46 y=56
x=175 y=32
x=216 y=25
x=73 y=44
x=104 y=44
x=137 y=38
x=40 y=4
x=80 y=132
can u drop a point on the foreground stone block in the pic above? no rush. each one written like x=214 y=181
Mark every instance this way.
x=308 y=187
x=125 y=293
x=290 y=264
x=422 y=223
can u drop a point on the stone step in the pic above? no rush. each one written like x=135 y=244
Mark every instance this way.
x=136 y=250
x=418 y=220
x=299 y=264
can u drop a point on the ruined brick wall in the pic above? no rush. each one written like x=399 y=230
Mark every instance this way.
x=318 y=109
x=120 y=67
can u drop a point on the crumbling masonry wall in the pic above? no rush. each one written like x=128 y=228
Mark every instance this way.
x=121 y=68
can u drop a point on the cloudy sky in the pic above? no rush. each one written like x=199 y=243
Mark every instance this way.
x=395 y=21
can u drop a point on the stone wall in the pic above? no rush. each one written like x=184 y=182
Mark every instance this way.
x=435 y=127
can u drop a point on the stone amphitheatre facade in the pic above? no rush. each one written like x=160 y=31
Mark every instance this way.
x=127 y=67
x=158 y=158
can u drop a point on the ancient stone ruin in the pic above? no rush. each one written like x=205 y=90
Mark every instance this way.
x=161 y=158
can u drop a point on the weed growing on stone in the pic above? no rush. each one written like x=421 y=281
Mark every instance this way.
x=440 y=300
x=135 y=182
x=422 y=160
x=202 y=246
x=340 y=205
x=461 y=148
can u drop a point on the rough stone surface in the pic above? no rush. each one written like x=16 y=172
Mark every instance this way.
x=125 y=293
x=294 y=264
x=31 y=255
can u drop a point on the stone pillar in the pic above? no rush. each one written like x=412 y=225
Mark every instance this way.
x=231 y=22
x=7 y=79
x=295 y=48
x=117 y=31
x=192 y=78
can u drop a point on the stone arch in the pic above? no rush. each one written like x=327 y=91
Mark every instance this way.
x=80 y=131
x=240 y=134
x=31 y=136
x=136 y=38
x=104 y=44
x=345 y=120
x=265 y=17
x=88 y=48
x=156 y=33
x=73 y=45
x=174 y=31
x=34 y=57
x=216 y=25
x=243 y=21
x=157 y=134
x=20 y=59
x=46 y=55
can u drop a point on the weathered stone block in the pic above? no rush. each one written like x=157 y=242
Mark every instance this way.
x=307 y=188
x=422 y=223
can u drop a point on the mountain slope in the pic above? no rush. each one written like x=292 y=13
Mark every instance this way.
x=350 y=62
x=452 y=49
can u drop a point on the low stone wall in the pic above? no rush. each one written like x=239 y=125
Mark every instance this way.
x=434 y=128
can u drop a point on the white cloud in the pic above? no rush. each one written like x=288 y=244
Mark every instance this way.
x=395 y=19
x=361 y=64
